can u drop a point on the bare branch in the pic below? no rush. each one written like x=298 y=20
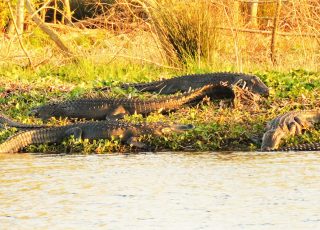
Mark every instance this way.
x=52 y=34
x=19 y=34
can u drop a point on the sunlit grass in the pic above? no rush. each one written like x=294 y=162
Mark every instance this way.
x=172 y=38
x=217 y=128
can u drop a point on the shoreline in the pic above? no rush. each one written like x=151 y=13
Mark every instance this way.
x=217 y=126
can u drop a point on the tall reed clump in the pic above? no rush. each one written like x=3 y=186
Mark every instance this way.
x=185 y=29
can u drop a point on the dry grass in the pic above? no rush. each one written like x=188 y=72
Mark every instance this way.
x=202 y=34
x=186 y=31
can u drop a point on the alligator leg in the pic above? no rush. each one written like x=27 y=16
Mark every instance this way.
x=134 y=142
x=117 y=113
x=75 y=131
x=116 y=116
x=130 y=138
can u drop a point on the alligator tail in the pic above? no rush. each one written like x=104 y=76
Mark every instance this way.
x=173 y=102
x=142 y=87
x=14 y=143
x=301 y=147
x=145 y=87
x=6 y=121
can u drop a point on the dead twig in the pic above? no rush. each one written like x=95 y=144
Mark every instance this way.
x=19 y=35
x=52 y=34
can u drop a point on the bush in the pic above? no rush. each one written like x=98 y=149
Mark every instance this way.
x=186 y=30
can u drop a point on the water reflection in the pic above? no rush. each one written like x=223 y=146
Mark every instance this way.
x=160 y=191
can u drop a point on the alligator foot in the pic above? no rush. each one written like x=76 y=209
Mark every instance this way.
x=76 y=132
x=141 y=146
x=288 y=124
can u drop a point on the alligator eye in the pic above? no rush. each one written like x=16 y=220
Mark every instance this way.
x=34 y=112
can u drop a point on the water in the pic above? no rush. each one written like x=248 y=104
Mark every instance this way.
x=161 y=191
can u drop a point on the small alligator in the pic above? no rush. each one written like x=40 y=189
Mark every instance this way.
x=194 y=81
x=126 y=132
x=115 y=108
x=6 y=121
x=288 y=124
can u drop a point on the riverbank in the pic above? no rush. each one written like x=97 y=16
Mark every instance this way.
x=218 y=127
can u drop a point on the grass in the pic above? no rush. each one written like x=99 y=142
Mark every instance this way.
x=217 y=128
x=170 y=38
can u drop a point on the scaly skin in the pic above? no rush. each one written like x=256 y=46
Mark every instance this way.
x=187 y=82
x=105 y=108
x=6 y=121
x=288 y=124
x=301 y=147
x=126 y=132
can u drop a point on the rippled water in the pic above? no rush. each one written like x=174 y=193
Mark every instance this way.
x=161 y=191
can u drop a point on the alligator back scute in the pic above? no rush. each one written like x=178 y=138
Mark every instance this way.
x=187 y=82
x=102 y=108
x=302 y=147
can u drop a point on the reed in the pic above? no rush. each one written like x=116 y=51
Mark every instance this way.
x=185 y=29
x=190 y=35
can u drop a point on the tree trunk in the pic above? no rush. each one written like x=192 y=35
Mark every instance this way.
x=236 y=13
x=55 y=11
x=274 y=32
x=20 y=16
x=67 y=11
x=254 y=14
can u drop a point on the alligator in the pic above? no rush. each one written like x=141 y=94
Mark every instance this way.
x=126 y=132
x=8 y=122
x=194 y=81
x=288 y=124
x=116 y=108
x=300 y=147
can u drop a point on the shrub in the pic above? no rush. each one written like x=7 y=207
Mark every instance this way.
x=186 y=30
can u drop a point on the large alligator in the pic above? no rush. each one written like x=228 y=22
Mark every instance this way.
x=106 y=108
x=289 y=124
x=194 y=81
x=126 y=132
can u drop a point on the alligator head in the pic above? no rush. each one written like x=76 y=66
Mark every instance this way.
x=47 y=111
x=271 y=139
x=254 y=84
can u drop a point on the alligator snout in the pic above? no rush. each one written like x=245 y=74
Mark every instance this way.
x=40 y=113
x=34 y=112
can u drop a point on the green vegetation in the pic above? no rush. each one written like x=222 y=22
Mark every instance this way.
x=217 y=127
x=141 y=41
